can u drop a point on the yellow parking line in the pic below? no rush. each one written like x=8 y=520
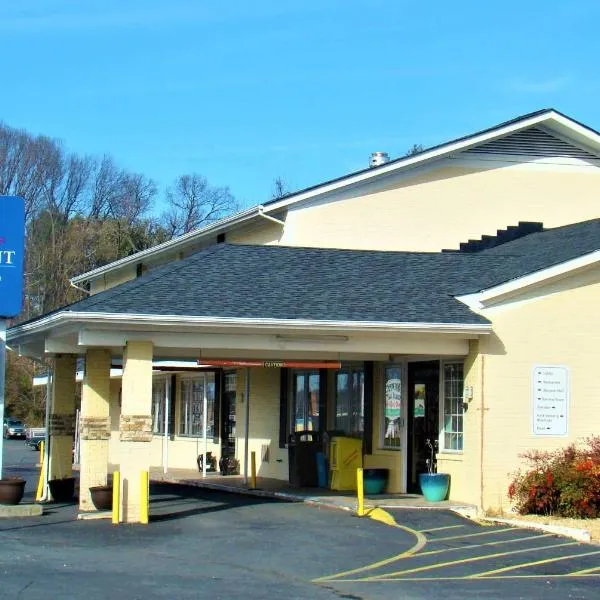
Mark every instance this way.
x=421 y=541
x=532 y=564
x=470 y=535
x=495 y=543
x=441 y=528
x=584 y=572
x=463 y=578
x=462 y=561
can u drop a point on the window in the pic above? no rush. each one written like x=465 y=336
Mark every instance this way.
x=350 y=401
x=192 y=405
x=158 y=405
x=392 y=408
x=305 y=401
x=453 y=406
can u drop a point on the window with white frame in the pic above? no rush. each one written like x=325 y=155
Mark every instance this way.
x=158 y=405
x=191 y=416
x=392 y=407
x=350 y=401
x=453 y=406
x=305 y=407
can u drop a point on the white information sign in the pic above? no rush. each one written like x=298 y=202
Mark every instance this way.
x=550 y=399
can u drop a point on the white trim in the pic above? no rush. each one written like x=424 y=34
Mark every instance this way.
x=484 y=298
x=174 y=244
x=564 y=125
x=62 y=318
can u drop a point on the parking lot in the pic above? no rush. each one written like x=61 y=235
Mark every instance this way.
x=205 y=544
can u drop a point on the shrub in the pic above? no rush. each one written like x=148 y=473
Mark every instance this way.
x=563 y=482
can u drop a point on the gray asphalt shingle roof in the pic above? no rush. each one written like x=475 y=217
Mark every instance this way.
x=341 y=285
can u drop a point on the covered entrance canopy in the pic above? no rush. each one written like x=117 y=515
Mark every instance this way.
x=239 y=306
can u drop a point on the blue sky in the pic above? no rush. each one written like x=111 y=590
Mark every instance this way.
x=243 y=92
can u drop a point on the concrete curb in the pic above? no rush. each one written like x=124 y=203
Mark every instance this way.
x=21 y=510
x=580 y=535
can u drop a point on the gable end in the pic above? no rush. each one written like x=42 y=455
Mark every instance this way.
x=534 y=142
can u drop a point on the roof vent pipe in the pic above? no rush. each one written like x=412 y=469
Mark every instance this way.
x=378 y=158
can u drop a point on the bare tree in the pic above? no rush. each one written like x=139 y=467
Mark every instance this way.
x=194 y=202
x=414 y=149
x=280 y=189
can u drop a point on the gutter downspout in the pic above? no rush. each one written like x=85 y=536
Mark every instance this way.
x=247 y=426
x=482 y=436
x=262 y=214
x=79 y=288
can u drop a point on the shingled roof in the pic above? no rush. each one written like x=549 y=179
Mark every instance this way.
x=277 y=282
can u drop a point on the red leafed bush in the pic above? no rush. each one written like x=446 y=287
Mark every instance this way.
x=563 y=482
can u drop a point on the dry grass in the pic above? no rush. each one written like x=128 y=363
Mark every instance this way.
x=591 y=525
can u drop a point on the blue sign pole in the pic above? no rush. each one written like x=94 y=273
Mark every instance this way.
x=12 y=251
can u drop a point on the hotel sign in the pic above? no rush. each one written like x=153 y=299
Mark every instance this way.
x=550 y=396
x=12 y=249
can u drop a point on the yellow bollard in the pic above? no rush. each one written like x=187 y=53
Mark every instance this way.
x=116 y=505
x=145 y=497
x=360 y=490
x=40 y=487
x=253 y=470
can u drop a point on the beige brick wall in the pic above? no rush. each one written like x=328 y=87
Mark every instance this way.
x=560 y=327
x=95 y=404
x=264 y=422
x=136 y=399
x=63 y=403
x=427 y=212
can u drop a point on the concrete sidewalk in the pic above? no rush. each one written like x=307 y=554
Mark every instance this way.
x=276 y=488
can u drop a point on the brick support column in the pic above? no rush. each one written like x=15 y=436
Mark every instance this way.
x=62 y=417
x=135 y=427
x=94 y=424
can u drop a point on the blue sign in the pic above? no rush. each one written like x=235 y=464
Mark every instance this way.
x=12 y=250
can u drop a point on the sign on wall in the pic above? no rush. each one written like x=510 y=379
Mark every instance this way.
x=12 y=236
x=550 y=399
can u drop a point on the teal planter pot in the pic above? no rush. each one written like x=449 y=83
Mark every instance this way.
x=375 y=480
x=434 y=486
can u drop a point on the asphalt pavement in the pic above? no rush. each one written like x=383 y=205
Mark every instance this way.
x=208 y=544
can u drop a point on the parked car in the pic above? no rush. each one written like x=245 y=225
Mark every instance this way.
x=35 y=436
x=13 y=428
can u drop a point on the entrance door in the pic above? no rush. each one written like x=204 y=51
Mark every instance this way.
x=228 y=415
x=423 y=418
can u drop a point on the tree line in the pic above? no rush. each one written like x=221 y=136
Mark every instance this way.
x=83 y=212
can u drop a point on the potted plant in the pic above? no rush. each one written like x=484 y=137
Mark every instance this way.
x=11 y=490
x=62 y=489
x=102 y=496
x=433 y=485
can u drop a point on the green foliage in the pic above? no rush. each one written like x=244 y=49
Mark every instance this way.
x=564 y=482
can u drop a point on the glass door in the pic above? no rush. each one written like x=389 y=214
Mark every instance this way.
x=423 y=418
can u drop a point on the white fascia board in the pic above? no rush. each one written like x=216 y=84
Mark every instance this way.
x=174 y=244
x=157 y=321
x=485 y=298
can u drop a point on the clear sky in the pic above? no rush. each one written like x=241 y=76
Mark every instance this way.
x=247 y=91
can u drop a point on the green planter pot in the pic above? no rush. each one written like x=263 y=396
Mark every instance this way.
x=434 y=486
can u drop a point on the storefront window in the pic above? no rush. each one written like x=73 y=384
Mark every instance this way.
x=305 y=409
x=192 y=405
x=158 y=405
x=453 y=406
x=392 y=408
x=350 y=401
